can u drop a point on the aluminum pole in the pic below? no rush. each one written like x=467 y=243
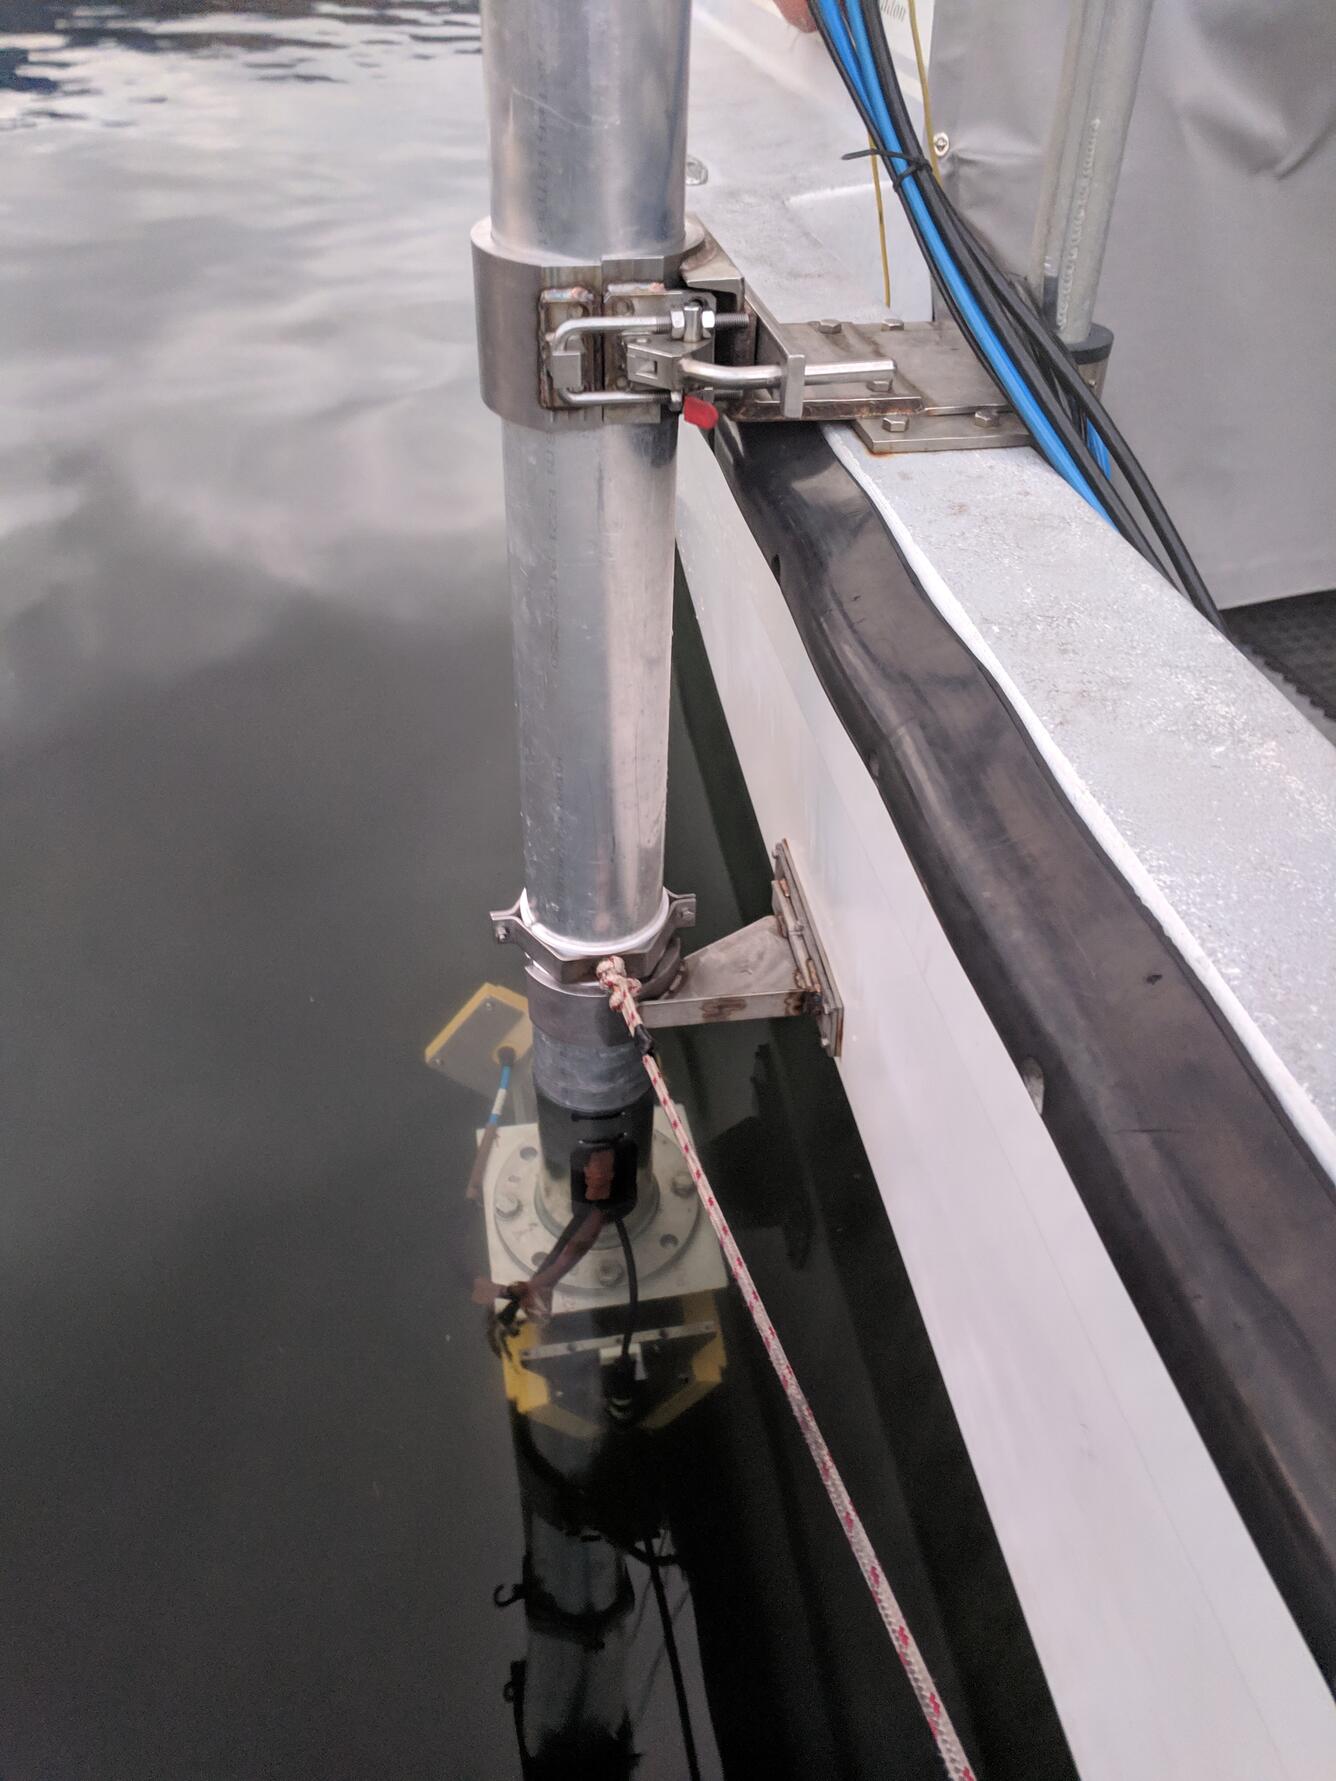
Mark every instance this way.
x=1101 y=67
x=587 y=110
x=1069 y=110
x=1112 y=96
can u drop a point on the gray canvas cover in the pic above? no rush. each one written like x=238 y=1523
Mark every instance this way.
x=1220 y=275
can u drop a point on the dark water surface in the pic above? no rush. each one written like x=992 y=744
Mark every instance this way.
x=257 y=791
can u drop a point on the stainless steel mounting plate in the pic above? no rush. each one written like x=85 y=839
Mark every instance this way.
x=771 y=969
x=940 y=399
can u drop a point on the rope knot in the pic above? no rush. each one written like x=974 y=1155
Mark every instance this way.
x=621 y=988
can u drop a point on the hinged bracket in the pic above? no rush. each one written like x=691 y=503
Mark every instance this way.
x=771 y=969
x=629 y=340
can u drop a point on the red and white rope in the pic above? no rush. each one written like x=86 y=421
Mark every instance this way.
x=622 y=996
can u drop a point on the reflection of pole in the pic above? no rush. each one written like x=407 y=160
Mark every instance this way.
x=577 y=1604
x=575 y=1669
x=1101 y=68
x=587 y=107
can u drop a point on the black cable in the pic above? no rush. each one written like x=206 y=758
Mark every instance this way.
x=1054 y=412
x=1061 y=371
x=674 y=1661
x=1000 y=299
x=1006 y=311
x=632 y=1288
x=947 y=221
x=1059 y=362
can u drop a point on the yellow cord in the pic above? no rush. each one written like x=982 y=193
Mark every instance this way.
x=928 y=131
x=875 y=158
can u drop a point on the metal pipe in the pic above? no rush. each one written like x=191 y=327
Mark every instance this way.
x=587 y=114
x=1096 y=93
x=587 y=107
x=1112 y=96
x=1066 y=124
x=590 y=519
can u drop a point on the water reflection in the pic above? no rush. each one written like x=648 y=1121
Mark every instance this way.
x=257 y=785
x=46 y=43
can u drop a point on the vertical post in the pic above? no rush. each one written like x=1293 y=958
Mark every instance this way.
x=1101 y=70
x=1069 y=109
x=587 y=109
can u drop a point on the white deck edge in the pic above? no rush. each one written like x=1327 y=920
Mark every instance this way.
x=1167 y=1646
x=1307 y=1118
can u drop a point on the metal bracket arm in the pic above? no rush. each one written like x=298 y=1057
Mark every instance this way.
x=767 y=971
x=629 y=340
x=648 y=366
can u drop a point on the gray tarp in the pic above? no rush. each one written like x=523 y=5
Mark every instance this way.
x=1220 y=275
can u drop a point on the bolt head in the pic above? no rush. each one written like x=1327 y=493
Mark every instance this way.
x=683 y=1186
x=941 y=142
x=895 y=423
x=986 y=418
x=499 y=933
x=830 y=326
x=880 y=386
x=508 y=1203
x=609 y=1271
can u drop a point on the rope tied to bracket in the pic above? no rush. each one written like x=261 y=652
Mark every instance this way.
x=622 y=991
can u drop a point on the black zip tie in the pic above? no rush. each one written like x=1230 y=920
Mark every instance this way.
x=644 y=1041
x=913 y=164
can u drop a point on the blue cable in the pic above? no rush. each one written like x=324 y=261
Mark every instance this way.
x=1098 y=450
x=502 y=1090
x=859 y=67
